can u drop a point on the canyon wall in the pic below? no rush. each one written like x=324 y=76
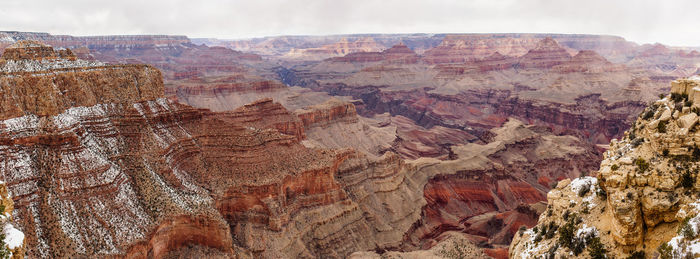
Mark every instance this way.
x=642 y=202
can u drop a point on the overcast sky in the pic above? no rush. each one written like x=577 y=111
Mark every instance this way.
x=674 y=22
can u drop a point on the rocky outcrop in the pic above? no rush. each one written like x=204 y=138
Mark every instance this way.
x=397 y=54
x=490 y=203
x=643 y=193
x=464 y=48
x=56 y=83
x=546 y=54
x=340 y=48
x=413 y=141
x=589 y=62
x=124 y=171
x=327 y=112
x=13 y=245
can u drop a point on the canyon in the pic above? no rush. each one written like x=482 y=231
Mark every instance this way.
x=357 y=146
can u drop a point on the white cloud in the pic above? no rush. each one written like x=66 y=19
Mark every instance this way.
x=672 y=22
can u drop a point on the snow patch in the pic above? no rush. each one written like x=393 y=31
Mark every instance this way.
x=13 y=237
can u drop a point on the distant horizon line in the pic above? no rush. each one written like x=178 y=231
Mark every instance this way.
x=346 y=34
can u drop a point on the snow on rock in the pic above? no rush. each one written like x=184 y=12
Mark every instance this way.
x=13 y=66
x=582 y=182
x=586 y=182
x=13 y=237
x=585 y=231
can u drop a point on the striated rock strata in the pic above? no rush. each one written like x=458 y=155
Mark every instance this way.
x=644 y=199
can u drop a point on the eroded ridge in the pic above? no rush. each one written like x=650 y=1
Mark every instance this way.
x=644 y=199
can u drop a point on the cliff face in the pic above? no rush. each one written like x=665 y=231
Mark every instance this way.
x=397 y=54
x=13 y=244
x=340 y=48
x=99 y=163
x=584 y=95
x=274 y=177
x=643 y=200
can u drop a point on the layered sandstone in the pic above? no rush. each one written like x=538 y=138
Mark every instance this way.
x=154 y=178
x=370 y=198
x=546 y=54
x=397 y=54
x=643 y=199
x=588 y=61
x=584 y=95
x=340 y=48
x=13 y=244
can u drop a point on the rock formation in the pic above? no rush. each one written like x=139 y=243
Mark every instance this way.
x=397 y=54
x=13 y=243
x=545 y=86
x=408 y=150
x=643 y=201
x=546 y=54
x=340 y=48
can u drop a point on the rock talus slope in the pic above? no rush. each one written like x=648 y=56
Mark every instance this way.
x=644 y=199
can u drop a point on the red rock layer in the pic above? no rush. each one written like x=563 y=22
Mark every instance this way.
x=588 y=61
x=50 y=95
x=413 y=141
x=182 y=231
x=489 y=205
x=192 y=87
x=494 y=62
x=264 y=114
x=465 y=48
x=36 y=51
x=344 y=47
x=331 y=111
x=398 y=54
x=546 y=54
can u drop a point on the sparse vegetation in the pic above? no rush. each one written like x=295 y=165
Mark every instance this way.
x=686 y=229
x=648 y=115
x=551 y=252
x=687 y=180
x=676 y=97
x=688 y=103
x=538 y=238
x=696 y=154
x=661 y=127
x=551 y=230
x=584 y=190
x=521 y=230
x=665 y=251
x=637 y=255
x=614 y=167
x=602 y=194
x=596 y=249
x=585 y=207
x=642 y=165
x=665 y=152
x=4 y=251
x=567 y=235
x=457 y=251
